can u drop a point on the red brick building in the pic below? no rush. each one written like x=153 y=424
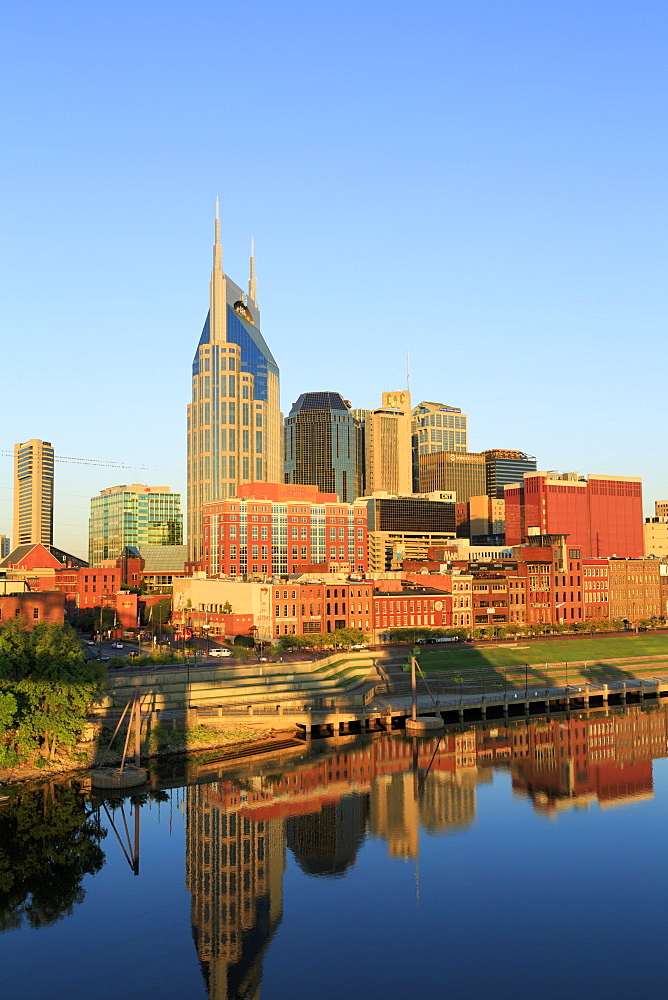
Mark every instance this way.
x=418 y=606
x=596 y=589
x=34 y=608
x=601 y=516
x=299 y=609
x=272 y=529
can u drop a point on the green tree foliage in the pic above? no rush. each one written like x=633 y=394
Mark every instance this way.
x=47 y=845
x=413 y=634
x=91 y=619
x=244 y=640
x=46 y=686
x=322 y=640
x=158 y=613
x=296 y=641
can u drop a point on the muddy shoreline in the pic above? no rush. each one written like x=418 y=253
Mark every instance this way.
x=70 y=766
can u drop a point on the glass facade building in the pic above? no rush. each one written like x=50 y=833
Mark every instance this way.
x=410 y=514
x=133 y=515
x=436 y=428
x=324 y=445
x=234 y=420
x=503 y=468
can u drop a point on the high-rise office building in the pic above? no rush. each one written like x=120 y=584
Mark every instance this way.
x=323 y=445
x=503 y=467
x=133 y=515
x=436 y=427
x=387 y=445
x=4 y=546
x=452 y=470
x=33 y=493
x=234 y=422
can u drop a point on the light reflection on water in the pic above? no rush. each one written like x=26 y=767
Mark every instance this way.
x=495 y=860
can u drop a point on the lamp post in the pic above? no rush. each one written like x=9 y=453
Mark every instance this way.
x=99 y=636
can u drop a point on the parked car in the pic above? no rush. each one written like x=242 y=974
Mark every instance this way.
x=117 y=645
x=220 y=652
x=358 y=645
x=90 y=642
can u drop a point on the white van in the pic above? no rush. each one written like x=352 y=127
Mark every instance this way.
x=221 y=651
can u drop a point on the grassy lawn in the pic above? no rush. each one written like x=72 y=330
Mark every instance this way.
x=505 y=662
x=458 y=657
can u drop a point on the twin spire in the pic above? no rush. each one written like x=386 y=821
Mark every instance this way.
x=218 y=257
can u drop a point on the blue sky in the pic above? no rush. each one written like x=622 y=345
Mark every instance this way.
x=480 y=181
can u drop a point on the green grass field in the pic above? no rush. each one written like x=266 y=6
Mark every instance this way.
x=508 y=662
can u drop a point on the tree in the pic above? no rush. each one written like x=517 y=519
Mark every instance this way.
x=44 y=671
x=244 y=640
x=349 y=636
x=158 y=613
x=94 y=619
x=293 y=642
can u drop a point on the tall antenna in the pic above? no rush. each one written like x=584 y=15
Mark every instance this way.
x=408 y=370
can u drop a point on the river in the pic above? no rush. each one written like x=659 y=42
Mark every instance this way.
x=497 y=861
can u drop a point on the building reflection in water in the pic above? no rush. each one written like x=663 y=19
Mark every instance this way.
x=326 y=842
x=234 y=871
x=323 y=806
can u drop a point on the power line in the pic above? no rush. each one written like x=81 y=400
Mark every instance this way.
x=98 y=462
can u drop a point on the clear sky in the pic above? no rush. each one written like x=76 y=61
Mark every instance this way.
x=482 y=182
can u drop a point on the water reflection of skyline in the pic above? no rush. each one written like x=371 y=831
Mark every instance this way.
x=322 y=809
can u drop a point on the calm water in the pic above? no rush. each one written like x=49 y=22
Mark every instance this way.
x=497 y=862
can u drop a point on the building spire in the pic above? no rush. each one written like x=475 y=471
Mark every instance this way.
x=218 y=285
x=252 y=283
x=217 y=248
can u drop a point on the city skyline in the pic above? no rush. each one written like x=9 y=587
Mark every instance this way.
x=527 y=237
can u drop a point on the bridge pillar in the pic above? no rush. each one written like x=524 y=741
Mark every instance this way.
x=505 y=706
x=624 y=693
x=483 y=708
x=461 y=713
x=605 y=695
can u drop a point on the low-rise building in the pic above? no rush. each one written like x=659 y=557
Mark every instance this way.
x=33 y=608
x=635 y=589
x=416 y=606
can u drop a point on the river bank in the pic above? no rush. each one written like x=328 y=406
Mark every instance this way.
x=79 y=759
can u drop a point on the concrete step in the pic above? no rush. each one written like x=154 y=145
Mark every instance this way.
x=253 y=689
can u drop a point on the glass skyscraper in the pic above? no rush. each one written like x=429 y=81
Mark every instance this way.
x=234 y=419
x=324 y=446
